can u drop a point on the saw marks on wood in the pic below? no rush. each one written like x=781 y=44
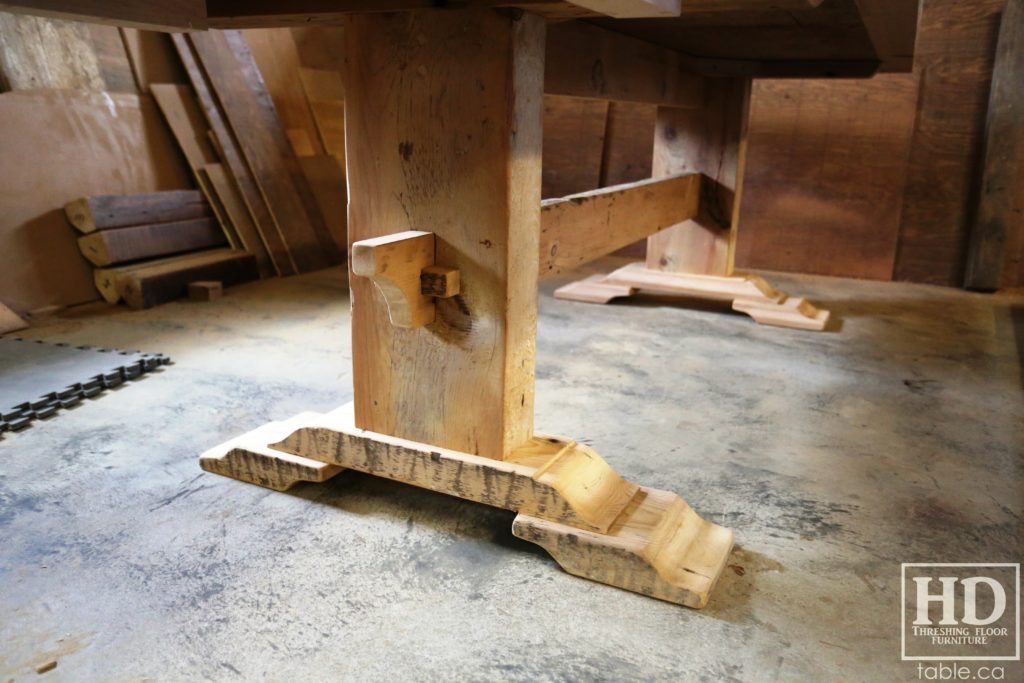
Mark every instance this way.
x=570 y=501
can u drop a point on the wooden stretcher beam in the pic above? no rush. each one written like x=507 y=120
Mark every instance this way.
x=582 y=227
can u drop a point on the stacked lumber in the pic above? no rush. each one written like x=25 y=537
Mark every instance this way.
x=149 y=247
x=285 y=210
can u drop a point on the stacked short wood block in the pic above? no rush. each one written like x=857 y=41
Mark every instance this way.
x=150 y=247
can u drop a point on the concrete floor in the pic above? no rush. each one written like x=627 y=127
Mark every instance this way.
x=835 y=457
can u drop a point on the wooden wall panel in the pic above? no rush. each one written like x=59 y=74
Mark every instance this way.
x=955 y=54
x=826 y=170
x=573 y=144
x=80 y=144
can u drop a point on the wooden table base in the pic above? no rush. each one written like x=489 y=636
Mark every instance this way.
x=570 y=501
x=749 y=294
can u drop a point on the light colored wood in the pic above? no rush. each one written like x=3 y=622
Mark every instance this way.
x=394 y=264
x=330 y=124
x=570 y=501
x=325 y=91
x=632 y=9
x=248 y=458
x=326 y=177
x=40 y=52
x=205 y=290
x=749 y=294
x=439 y=281
x=322 y=85
x=712 y=141
x=470 y=173
x=185 y=118
x=580 y=228
x=10 y=321
x=278 y=61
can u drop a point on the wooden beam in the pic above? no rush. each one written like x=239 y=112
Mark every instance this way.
x=588 y=61
x=1004 y=159
x=712 y=141
x=140 y=242
x=469 y=173
x=166 y=15
x=632 y=9
x=148 y=284
x=103 y=212
x=582 y=227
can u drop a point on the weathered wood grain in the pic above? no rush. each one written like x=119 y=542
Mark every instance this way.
x=469 y=173
x=107 y=247
x=712 y=141
x=580 y=228
x=233 y=74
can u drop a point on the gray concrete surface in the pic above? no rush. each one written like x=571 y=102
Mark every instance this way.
x=835 y=457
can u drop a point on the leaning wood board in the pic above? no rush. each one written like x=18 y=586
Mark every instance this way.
x=148 y=241
x=235 y=78
x=469 y=173
x=265 y=224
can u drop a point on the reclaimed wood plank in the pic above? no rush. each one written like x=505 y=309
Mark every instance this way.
x=234 y=76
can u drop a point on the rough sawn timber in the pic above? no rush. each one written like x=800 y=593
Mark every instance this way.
x=570 y=501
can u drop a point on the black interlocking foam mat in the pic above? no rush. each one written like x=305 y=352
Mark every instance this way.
x=39 y=378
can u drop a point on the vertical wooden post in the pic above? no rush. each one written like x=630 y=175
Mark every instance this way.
x=712 y=141
x=998 y=216
x=443 y=133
